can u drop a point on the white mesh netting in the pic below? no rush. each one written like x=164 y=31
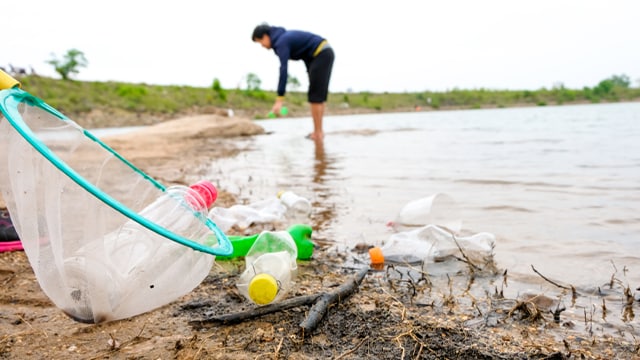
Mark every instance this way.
x=93 y=262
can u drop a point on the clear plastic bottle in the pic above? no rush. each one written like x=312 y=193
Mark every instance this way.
x=297 y=205
x=437 y=209
x=132 y=269
x=270 y=268
x=431 y=244
x=243 y=216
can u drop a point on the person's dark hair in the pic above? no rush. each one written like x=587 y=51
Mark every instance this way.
x=260 y=31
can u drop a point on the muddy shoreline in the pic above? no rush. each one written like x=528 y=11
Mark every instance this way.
x=397 y=312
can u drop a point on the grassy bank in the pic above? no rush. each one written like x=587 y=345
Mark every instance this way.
x=103 y=104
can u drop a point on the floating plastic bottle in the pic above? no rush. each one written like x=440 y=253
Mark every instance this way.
x=297 y=206
x=270 y=268
x=131 y=270
x=437 y=209
x=432 y=244
x=300 y=233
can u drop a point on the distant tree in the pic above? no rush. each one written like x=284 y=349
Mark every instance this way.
x=69 y=64
x=620 y=80
x=293 y=82
x=253 y=82
x=217 y=87
x=607 y=86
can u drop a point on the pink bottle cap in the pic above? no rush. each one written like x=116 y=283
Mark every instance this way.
x=205 y=191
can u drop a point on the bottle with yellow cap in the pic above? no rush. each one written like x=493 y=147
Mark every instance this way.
x=270 y=267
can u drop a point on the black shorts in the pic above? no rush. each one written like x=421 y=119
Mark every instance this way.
x=319 y=70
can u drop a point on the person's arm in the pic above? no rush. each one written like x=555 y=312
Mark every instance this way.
x=283 y=54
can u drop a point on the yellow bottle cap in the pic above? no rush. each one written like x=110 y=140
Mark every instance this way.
x=263 y=288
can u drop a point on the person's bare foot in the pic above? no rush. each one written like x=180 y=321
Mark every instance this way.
x=315 y=136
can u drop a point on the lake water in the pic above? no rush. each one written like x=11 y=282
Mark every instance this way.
x=559 y=187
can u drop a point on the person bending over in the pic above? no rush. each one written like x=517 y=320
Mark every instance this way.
x=318 y=58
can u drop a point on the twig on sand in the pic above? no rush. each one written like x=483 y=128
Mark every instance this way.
x=351 y=351
x=238 y=317
x=321 y=303
x=570 y=287
x=319 y=309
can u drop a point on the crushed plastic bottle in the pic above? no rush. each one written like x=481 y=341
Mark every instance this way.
x=133 y=270
x=270 y=268
x=264 y=211
x=432 y=244
x=300 y=233
x=297 y=206
x=286 y=207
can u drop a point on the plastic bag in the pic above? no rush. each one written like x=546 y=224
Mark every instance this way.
x=264 y=211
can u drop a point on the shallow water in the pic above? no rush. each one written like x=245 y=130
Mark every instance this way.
x=558 y=186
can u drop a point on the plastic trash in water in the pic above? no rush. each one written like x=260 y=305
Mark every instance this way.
x=287 y=206
x=297 y=206
x=270 y=268
x=432 y=244
x=264 y=211
x=437 y=209
x=64 y=189
x=300 y=233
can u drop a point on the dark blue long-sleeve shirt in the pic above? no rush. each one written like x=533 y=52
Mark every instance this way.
x=292 y=45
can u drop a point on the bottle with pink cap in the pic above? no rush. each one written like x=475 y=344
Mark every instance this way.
x=132 y=270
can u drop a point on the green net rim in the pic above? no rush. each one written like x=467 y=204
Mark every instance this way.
x=9 y=101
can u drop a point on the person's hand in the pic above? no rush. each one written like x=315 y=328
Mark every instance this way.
x=277 y=106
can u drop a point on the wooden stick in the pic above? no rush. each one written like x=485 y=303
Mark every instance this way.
x=550 y=281
x=319 y=309
x=258 y=311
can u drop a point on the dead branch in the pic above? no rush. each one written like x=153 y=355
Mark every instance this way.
x=465 y=258
x=550 y=281
x=320 y=308
x=321 y=303
x=256 y=312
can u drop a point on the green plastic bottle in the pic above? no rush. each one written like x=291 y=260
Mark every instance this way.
x=300 y=233
x=283 y=112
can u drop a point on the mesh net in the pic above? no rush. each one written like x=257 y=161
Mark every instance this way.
x=88 y=219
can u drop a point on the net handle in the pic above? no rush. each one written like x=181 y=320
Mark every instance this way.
x=9 y=101
x=7 y=81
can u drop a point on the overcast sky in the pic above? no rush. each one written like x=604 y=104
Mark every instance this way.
x=395 y=46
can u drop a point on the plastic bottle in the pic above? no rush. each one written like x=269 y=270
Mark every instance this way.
x=283 y=112
x=132 y=269
x=243 y=216
x=431 y=244
x=436 y=209
x=297 y=205
x=300 y=233
x=270 y=268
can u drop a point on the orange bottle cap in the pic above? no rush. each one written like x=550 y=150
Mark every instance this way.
x=376 y=256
